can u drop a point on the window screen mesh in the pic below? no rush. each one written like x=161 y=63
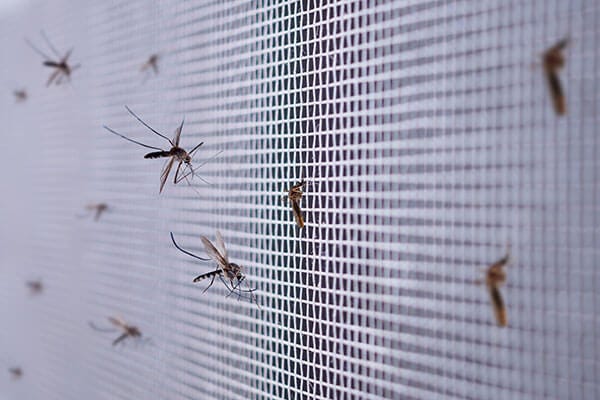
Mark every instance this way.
x=427 y=136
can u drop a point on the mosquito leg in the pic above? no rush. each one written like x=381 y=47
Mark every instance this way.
x=176 y=181
x=210 y=284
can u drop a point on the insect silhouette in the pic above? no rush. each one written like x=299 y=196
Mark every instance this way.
x=174 y=154
x=229 y=273
x=35 y=287
x=553 y=61
x=16 y=373
x=119 y=324
x=294 y=196
x=62 y=69
x=495 y=277
x=20 y=95
x=152 y=62
x=97 y=208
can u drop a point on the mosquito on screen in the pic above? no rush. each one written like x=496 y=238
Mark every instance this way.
x=60 y=64
x=119 y=324
x=553 y=61
x=294 y=196
x=35 y=287
x=152 y=62
x=20 y=95
x=97 y=209
x=175 y=154
x=229 y=273
x=16 y=373
x=495 y=277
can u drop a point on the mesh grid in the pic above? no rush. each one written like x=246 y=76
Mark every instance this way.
x=427 y=135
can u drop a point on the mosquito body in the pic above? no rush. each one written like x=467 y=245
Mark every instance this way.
x=35 y=287
x=176 y=154
x=16 y=373
x=152 y=62
x=98 y=209
x=20 y=95
x=553 y=61
x=230 y=273
x=60 y=65
x=494 y=278
x=119 y=324
x=294 y=196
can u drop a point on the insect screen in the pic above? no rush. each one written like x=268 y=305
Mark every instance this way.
x=427 y=139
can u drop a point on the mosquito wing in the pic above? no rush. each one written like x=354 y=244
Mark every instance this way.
x=53 y=77
x=556 y=92
x=213 y=252
x=118 y=322
x=178 y=134
x=297 y=213
x=498 y=305
x=165 y=173
x=221 y=246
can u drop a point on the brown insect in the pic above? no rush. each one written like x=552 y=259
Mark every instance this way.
x=98 y=209
x=62 y=69
x=553 y=61
x=229 y=273
x=152 y=62
x=16 y=373
x=294 y=196
x=118 y=323
x=174 y=154
x=494 y=278
x=35 y=287
x=20 y=95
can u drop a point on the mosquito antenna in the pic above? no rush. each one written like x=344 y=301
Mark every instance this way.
x=149 y=127
x=186 y=252
x=50 y=44
x=41 y=53
x=131 y=140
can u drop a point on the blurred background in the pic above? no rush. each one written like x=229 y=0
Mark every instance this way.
x=427 y=133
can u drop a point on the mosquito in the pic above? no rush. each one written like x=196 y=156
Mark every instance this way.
x=118 y=323
x=229 y=273
x=16 y=373
x=97 y=208
x=35 y=287
x=494 y=278
x=152 y=62
x=294 y=196
x=61 y=66
x=175 y=154
x=553 y=61
x=20 y=95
